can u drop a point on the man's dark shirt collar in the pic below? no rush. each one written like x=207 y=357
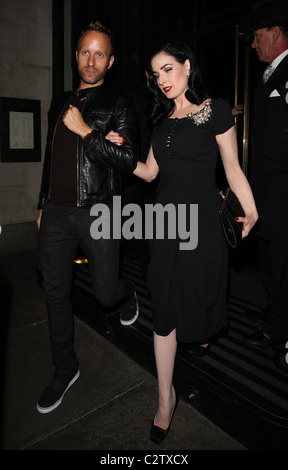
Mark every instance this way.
x=86 y=92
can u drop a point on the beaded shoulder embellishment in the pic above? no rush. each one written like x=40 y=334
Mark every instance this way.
x=203 y=115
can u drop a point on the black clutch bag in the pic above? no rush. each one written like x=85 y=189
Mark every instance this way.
x=231 y=208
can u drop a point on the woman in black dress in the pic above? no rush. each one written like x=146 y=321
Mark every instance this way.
x=188 y=284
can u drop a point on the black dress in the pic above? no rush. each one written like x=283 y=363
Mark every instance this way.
x=188 y=288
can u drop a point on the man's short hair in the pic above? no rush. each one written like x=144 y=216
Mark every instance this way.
x=97 y=26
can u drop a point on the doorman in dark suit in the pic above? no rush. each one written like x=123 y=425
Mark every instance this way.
x=269 y=168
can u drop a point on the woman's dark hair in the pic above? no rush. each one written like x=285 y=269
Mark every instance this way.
x=196 y=92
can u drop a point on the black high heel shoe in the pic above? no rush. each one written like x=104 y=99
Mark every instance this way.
x=197 y=350
x=157 y=434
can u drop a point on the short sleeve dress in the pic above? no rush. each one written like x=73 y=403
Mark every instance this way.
x=188 y=288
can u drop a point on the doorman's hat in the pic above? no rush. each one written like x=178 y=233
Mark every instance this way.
x=273 y=13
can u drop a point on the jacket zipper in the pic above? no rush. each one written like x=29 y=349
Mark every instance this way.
x=78 y=138
x=52 y=144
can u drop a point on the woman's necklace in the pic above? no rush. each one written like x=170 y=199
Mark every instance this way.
x=203 y=115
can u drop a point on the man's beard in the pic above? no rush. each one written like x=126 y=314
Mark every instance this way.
x=91 y=79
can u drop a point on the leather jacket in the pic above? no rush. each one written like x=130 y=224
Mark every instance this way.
x=99 y=161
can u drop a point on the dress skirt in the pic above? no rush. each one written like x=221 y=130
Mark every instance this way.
x=188 y=288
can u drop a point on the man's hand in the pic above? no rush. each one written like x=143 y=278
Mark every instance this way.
x=74 y=121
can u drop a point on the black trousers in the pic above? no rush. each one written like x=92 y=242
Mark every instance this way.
x=63 y=230
x=273 y=258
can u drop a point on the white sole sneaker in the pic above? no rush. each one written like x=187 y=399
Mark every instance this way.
x=48 y=409
x=132 y=320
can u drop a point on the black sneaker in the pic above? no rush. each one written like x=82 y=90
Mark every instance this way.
x=129 y=311
x=53 y=395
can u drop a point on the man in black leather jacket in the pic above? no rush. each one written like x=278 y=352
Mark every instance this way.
x=91 y=140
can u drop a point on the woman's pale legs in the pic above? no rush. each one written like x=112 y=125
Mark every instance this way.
x=165 y=348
